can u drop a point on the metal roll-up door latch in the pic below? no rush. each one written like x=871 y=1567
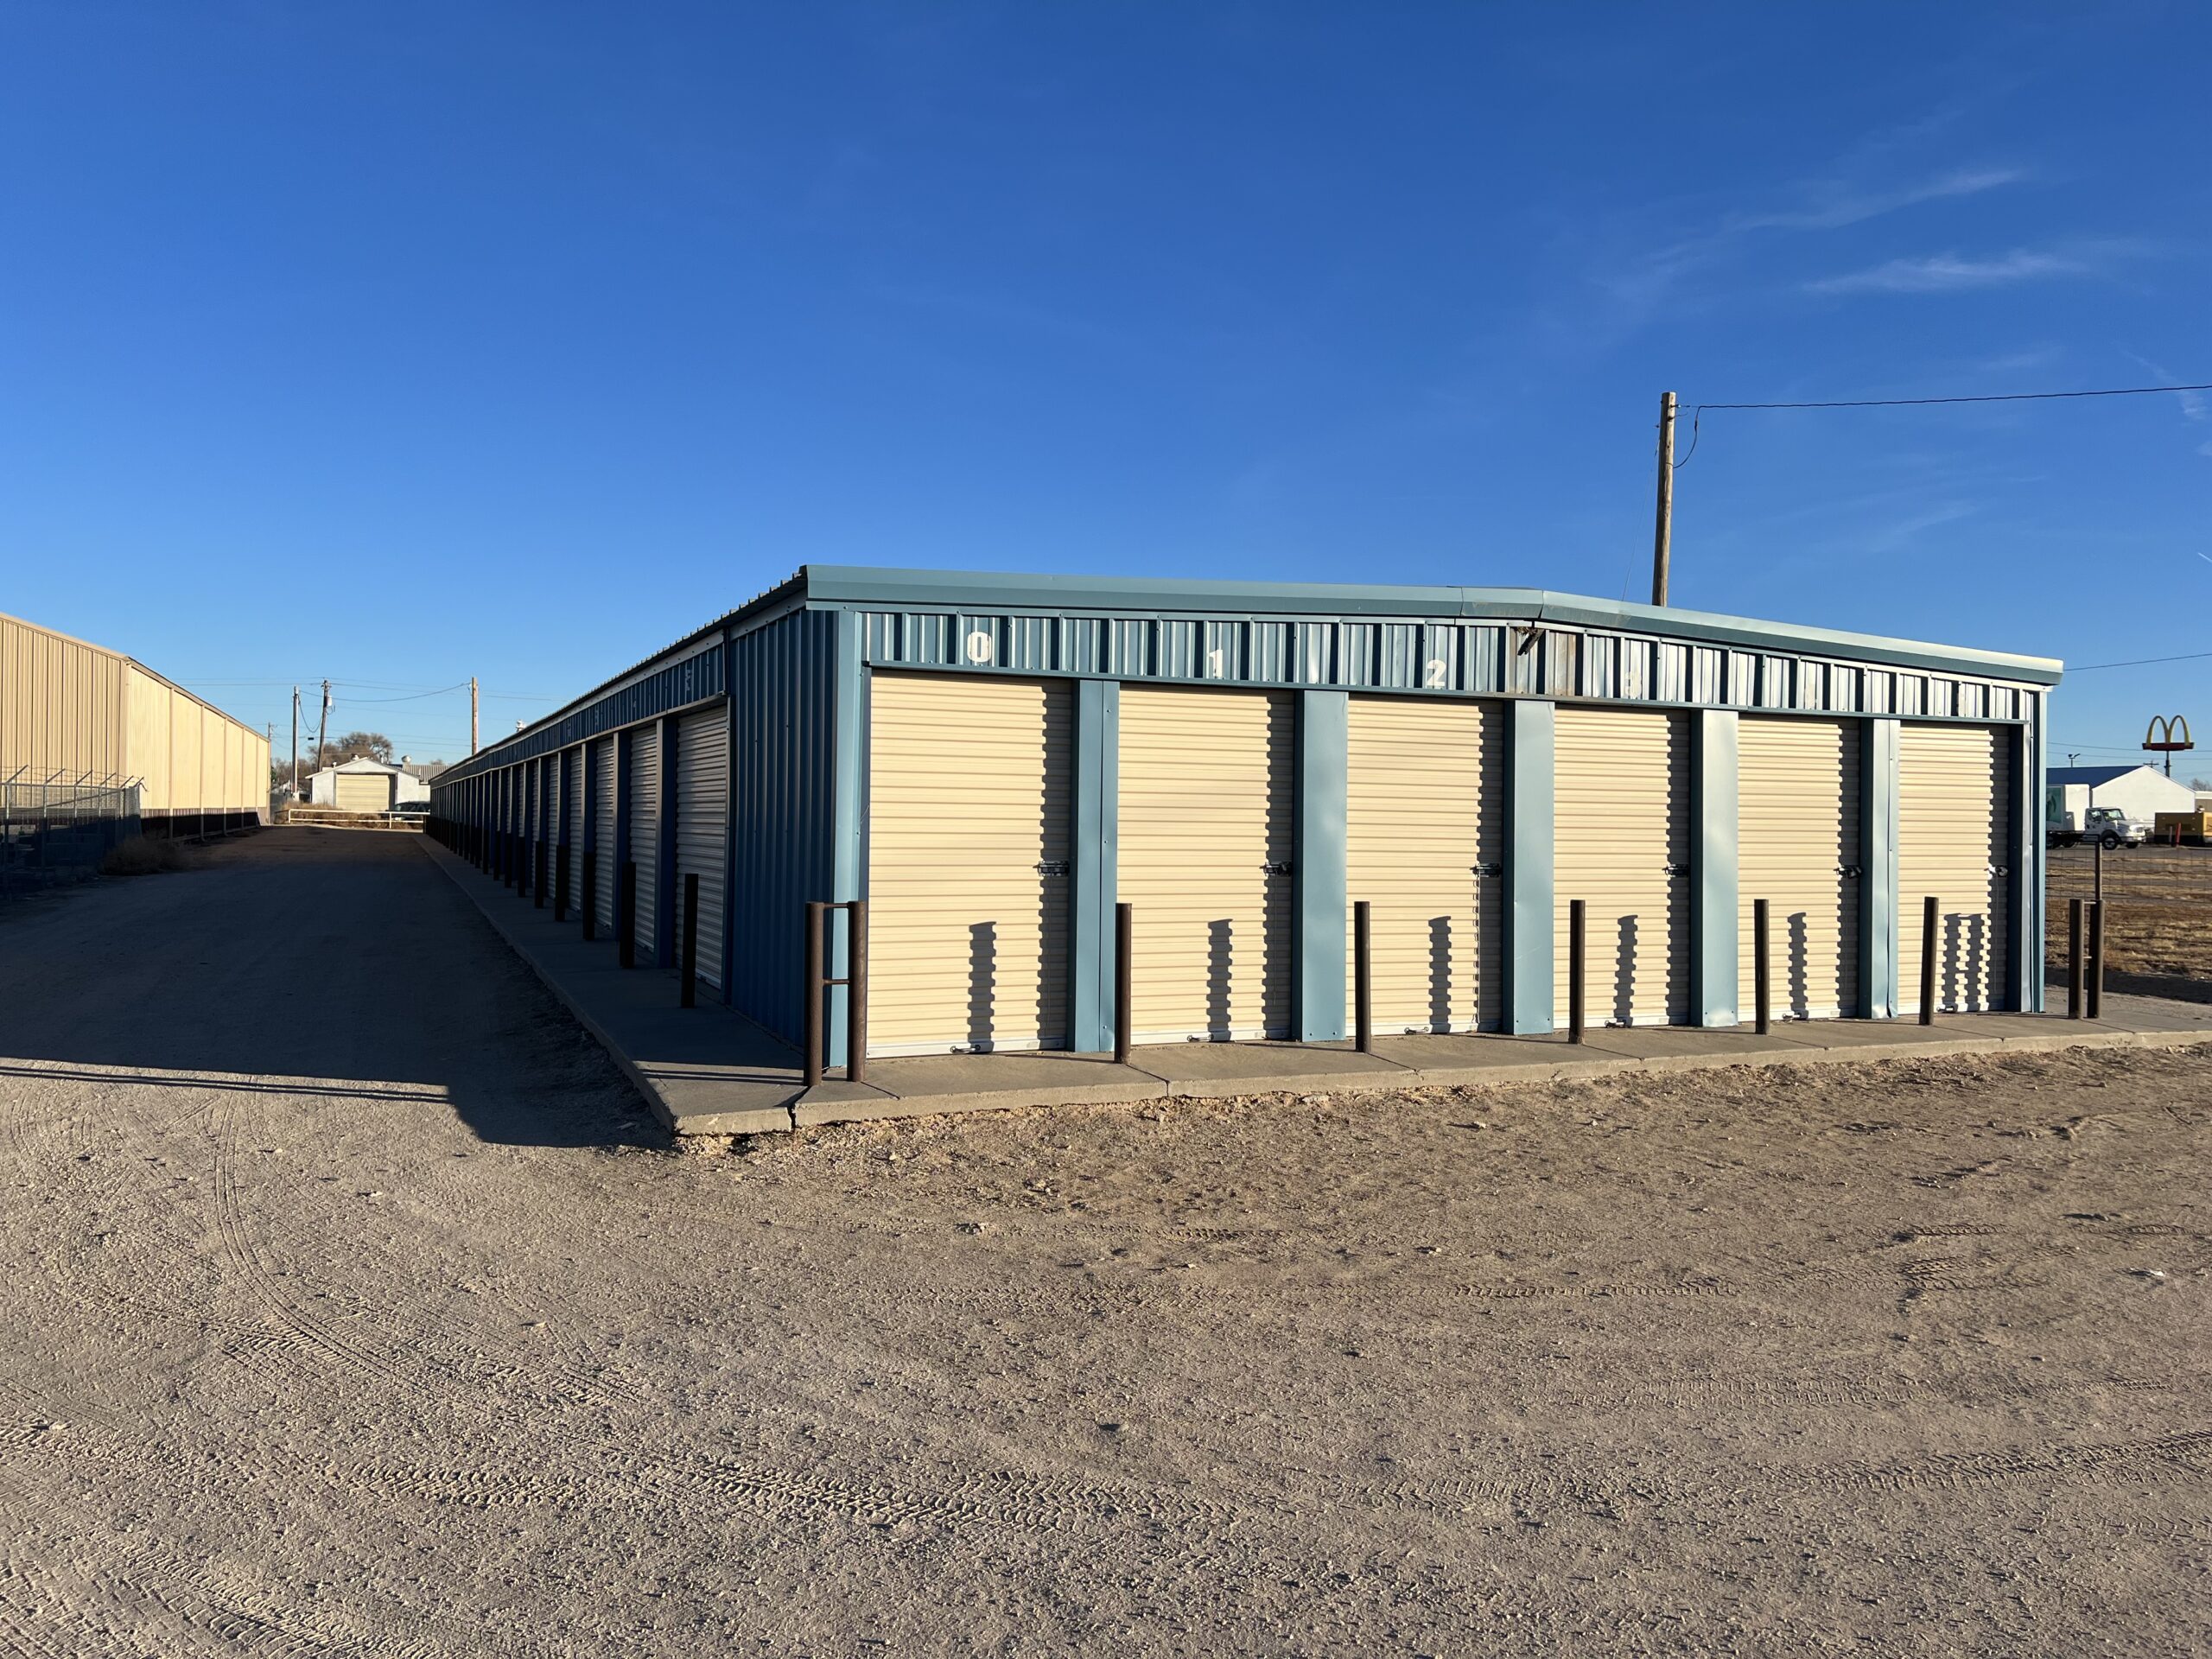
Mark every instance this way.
x=1490 y=869
x=1676 y=869
x=1272 y=868
x=1850 y=872
x=1053 y=867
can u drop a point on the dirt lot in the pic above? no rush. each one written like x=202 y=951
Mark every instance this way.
x=2158 y=915
x=354 y=1309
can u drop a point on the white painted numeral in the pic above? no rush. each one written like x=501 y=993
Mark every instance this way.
x=979 y=646
x=1215 y=660
x=1435 y=676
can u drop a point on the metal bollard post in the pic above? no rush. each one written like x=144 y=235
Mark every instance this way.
x=560 y=883
x=810 y=1016
x=625 y=915
x=537 y=879
x=2096 y=1000
x=1362 y=974
x=1929 y=922
x=591 y=893
x=1125 y=977
x=1761 y=987
x=689 y=966
x=1577 y=918
x=2074 y=959
x=855 y=990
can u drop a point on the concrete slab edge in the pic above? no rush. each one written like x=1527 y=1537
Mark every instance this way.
x=1502 y=1076
x=774 y=1121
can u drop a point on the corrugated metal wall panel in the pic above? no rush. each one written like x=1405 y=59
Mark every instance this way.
x=64 y=706
x=1207 y=831
x=702 y=817
x=1797 y=833
x=645 y=832
x=784 y=695
x=1622 y=845
x=1424 y=824
x=604 y=875
x=970 y=782
x=1955 y=788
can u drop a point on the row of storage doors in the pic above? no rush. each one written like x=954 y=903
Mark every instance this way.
x=635 y=804
x=970 y=865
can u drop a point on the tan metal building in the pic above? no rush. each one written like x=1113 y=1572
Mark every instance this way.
x=994 y=762
x=70 y=711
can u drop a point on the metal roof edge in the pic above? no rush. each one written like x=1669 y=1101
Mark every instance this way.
x=849 y=586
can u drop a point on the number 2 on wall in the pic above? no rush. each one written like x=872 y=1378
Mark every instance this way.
x=1434 y=678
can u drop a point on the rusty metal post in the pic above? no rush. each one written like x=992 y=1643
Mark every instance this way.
x=2096 y=999
x=1761 y=987
x=689 y=967
x=1125 y=977
x=591 y=893
x=1363 y=971
x=810 y=1013
x=855 y=990
x=2074 y=959
x=1577 y=921
x=1930 y=921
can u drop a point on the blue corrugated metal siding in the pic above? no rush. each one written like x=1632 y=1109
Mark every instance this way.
x=783 y=714
x=1477 y=657
x=693 y=680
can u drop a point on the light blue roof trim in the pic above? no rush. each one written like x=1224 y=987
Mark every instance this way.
x=889 y=588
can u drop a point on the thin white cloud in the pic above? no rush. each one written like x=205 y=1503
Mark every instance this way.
x=1833 y=205
x=1949 y=273
x=2192 y=402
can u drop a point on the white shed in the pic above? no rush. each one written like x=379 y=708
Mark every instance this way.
x=2140 y=791
x=365 y=786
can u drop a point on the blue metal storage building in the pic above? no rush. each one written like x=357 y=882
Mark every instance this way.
x=1012 y=752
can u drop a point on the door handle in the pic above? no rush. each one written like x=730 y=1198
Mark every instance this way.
x=1676 y=869
x=1272 y=868
x=1490 y=869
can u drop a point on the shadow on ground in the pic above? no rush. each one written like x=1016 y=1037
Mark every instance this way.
x=323 y=964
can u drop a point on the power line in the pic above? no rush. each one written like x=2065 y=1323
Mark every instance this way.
x=1698 y=414
x=2140 y=662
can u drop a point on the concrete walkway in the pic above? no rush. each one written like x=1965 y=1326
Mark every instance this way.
x=708 y=1070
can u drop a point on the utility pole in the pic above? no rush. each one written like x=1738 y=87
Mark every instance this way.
x=295 y=743
x=471 y=714
x=1662 y=539
x=322 y=725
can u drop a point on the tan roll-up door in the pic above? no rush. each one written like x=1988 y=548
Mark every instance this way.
x=1954 y=788
x=702 y=815
x=1797 y=848
x=970 y=785
x=645 y=832
x=1424 y=846
x=1622 y=845
x=602 y=830
x=364 y=792
x=1206 y=830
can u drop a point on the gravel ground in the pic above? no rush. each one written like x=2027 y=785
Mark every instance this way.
x=356 y=1308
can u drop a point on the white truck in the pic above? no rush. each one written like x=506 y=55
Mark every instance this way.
x=2095 y=826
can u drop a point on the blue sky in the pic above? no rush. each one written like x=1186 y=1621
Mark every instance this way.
x=399 y=342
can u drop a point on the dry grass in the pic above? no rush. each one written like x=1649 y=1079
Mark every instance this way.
x=143 y=856
x=2157 y=908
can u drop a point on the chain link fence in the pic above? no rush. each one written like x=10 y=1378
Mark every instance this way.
x=55 y=826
